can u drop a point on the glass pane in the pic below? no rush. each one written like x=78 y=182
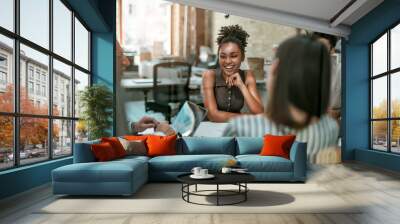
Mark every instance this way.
x=81 y=45
x=35 y=21
x=81 y=131
x=395 y=136
x=34 y=97
x=62 y=89
x=7 y=14
x=81 y=81
x=6 y=74
x=6 y=142
x=379 y=97
x=33 y=139
x=62 y=138
x=379 y=55
x=395 y=94
x=379 y=135
x=395 y=47
x=62 y=29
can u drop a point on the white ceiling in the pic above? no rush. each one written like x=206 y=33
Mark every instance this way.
x=321 y=9
x=315 y=15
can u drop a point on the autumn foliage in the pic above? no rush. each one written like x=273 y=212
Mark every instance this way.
x=33 y=131
x=380 y=127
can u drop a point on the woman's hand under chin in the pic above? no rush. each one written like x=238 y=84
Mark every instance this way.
x=235 y=80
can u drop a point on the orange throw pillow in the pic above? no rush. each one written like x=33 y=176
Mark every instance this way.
x=161 y=145
x=136 y=137
x=116 y=145
x=103 y=151
x=277 y=145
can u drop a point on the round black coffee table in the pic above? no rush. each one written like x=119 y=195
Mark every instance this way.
x=238 y=179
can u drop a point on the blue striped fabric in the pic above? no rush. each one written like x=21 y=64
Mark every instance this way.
x=318 y=136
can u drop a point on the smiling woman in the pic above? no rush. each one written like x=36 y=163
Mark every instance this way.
x=227 y=88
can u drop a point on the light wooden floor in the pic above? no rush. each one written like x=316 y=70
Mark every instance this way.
x=379 y=189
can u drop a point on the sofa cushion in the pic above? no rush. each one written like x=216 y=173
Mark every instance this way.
x=249 y=145
x=134 y=147
x=116 y=145
x=206 y=145
x=277 y=145
x=257 y=163
x=161 y=145
x=112 y=171
x=129 y=159
x=135 y=137
x=185 y=163
x=83 y=152
x=103 y=152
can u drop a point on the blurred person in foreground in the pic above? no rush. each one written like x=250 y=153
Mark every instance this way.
x=298 y=86
x=329 y=41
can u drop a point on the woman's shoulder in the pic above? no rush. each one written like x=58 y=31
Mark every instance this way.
x=209 y=77
x=209 y=73
x=325 y=128
x=249 y=118
x=248 y=75
x=328 y=123
x=244 y=125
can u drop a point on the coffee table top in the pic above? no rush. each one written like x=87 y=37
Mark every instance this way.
x=220 y=178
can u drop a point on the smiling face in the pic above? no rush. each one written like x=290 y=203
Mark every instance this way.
x=230 y=58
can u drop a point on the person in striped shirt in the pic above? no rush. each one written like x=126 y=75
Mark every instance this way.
x=298 y=97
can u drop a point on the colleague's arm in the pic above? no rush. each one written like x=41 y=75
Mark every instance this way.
x=144 y=123
x=210 y=103
x=251 y=95
x=249 y=91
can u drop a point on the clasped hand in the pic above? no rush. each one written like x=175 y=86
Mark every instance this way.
x=234 y=80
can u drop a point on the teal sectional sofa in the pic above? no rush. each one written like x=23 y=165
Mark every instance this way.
x=125 y=176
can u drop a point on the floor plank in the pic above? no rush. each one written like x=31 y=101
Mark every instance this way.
x=376 y=190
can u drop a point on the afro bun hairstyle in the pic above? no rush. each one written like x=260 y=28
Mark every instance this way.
x=235 y=34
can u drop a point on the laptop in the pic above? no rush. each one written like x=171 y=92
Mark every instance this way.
x=188 y=119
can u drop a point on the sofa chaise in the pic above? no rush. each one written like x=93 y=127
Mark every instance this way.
x=125 y=176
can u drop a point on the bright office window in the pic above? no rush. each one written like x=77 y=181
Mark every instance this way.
x=39 y=125
x=385 y=91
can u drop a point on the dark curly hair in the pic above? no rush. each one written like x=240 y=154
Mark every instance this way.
x=332 y=39
x=235 y=34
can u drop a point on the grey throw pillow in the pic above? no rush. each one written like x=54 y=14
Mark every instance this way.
x=134 y=147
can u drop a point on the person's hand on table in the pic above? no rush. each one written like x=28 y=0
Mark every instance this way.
x=165 y=128
x=144 y=123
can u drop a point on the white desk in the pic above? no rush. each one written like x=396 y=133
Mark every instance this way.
x=140 y=84
x=147 y=83
x=210 y=129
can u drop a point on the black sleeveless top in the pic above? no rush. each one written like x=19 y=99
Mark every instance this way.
x=228 y=99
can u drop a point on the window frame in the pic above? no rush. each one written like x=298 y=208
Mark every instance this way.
x=388 y=74
x=16 y=114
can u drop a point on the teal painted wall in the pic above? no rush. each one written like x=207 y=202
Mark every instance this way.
x=356 y=85
x=103 y=54
x=27 y=177
x=100 y=17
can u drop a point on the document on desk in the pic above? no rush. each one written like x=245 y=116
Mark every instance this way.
x=210 y=129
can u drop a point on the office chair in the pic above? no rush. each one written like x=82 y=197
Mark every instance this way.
x=170 y=85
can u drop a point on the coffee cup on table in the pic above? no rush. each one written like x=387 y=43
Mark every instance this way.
x=203 y=172
x=196 y=171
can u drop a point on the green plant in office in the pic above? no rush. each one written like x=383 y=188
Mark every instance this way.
x=96 y=102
